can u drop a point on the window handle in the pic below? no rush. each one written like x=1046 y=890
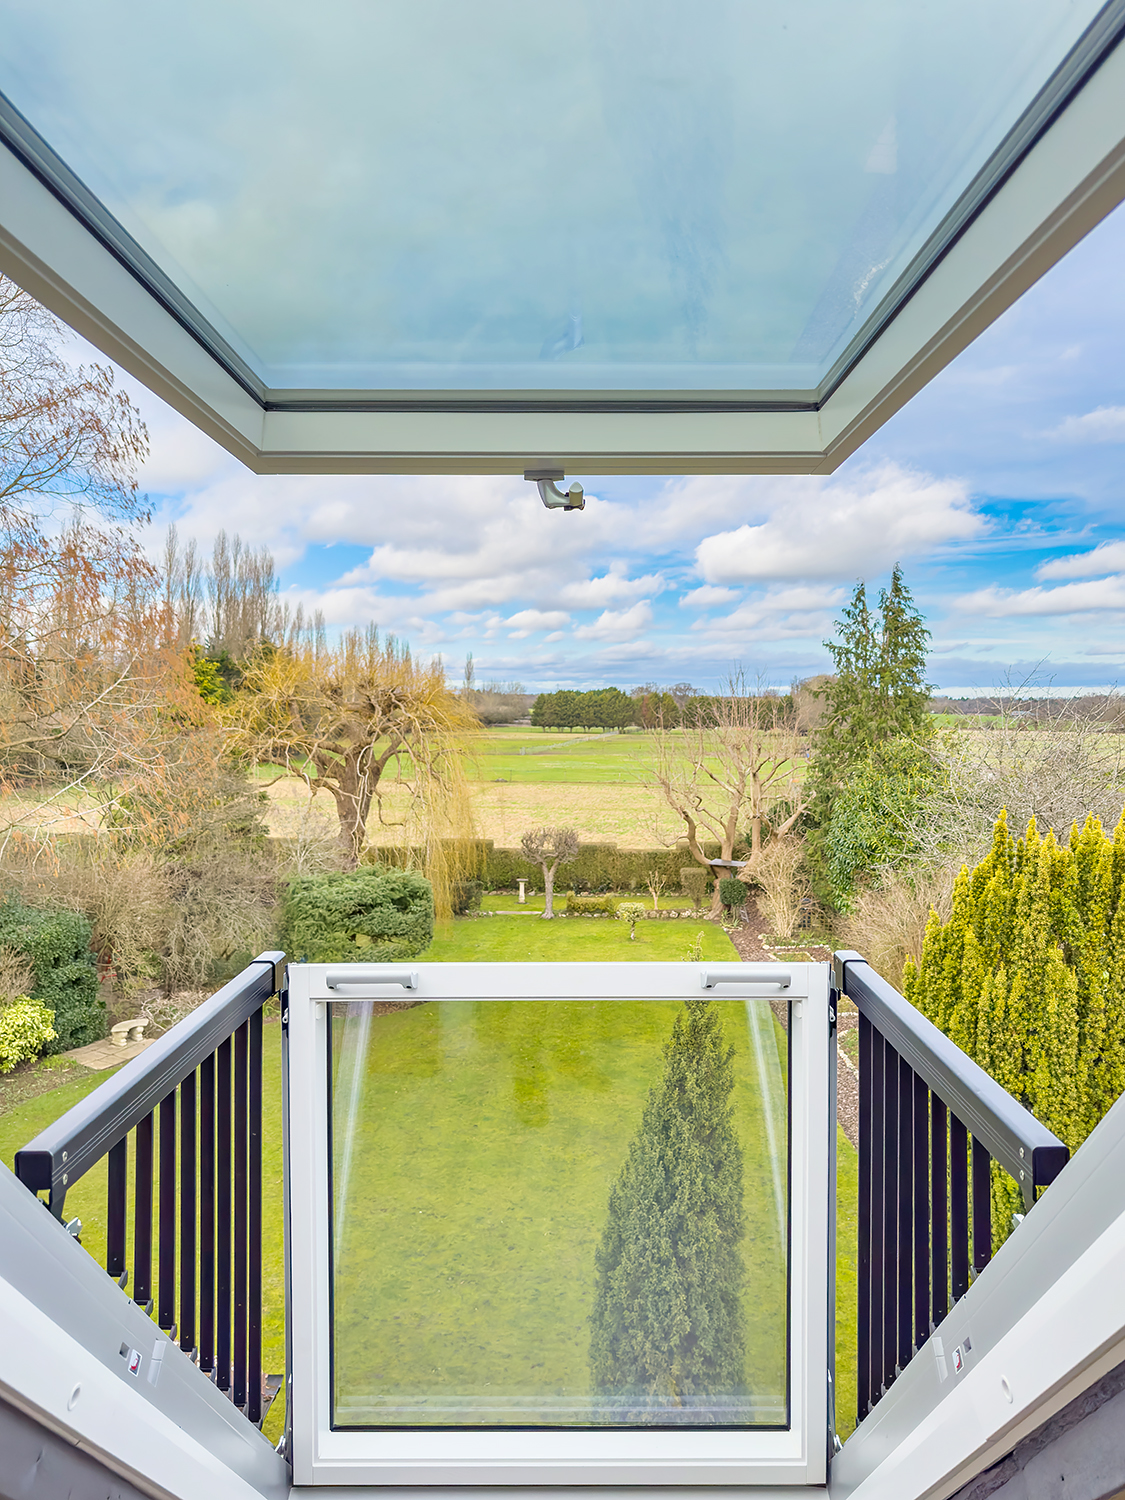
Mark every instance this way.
x=748 y=974
x=359 y=974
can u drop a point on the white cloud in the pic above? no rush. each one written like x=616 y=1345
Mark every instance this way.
x=1067 y=599
x=618 y=624
x=611 y=588
x=844 y=528
x=1106 y=557
x=1106 y=424
x=707 y=596
x=525 y=621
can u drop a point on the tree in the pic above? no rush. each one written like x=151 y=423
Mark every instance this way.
x=548 y=848
x=879 y=691
x=341 y=717
x=668 y=1330
x=739 y=759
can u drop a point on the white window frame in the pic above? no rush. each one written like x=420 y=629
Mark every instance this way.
x=715 y=1456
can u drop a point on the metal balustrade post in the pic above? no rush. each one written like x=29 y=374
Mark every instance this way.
x=866 y=1209
x=878 y=1195
x=254 y=1222
x=207 y=1214
x=223 y=1219
x=166 y=1250
x=117 y=1171
x=959 y=1205
x=921 y=1126
x=890 y=1215
x=939 y=1211
x=187 y=1214
x=982 y=1207
x=142 y=1214
x=241 y=1064
x=905 y=1214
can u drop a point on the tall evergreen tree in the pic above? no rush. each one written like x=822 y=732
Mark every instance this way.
x=880 y=690
x=668 y=1334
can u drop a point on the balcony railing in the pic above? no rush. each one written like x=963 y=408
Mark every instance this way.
x=192 y=1103
x=931 y=1123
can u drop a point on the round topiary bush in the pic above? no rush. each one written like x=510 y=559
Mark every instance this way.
x=732 y=893
x=375 y=914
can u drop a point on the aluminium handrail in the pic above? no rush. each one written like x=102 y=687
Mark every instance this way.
x=59 y=1155
x=1010 y=1133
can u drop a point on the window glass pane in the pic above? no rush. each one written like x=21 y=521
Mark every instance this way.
x=617 y=195
x=559 y=1213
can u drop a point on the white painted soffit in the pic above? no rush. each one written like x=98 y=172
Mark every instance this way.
x=1057 y=174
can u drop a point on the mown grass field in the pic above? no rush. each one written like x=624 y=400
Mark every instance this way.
x=512 y=938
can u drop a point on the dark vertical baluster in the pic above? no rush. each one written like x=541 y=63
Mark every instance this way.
x=982 y=1206
x=939 y=1210
x=222 y=1221
x=959 y=1205
x=117 y=1169
x=890 y=1213
x=863 y=1284
x=166 y=1255
x=142 y=1214
x=240 y=1071
x=905 y=1211
x=254 y=1225
x=187 y=1214
x=207 y=1214
x=921 y=1212
x=878 y=1195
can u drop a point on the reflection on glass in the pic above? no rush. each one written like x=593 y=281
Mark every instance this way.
x=559 y=1213
x=633 y=195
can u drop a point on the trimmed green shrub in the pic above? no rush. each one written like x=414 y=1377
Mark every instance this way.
x=694 y=882
x=65 y=974
x=465 y=896
x=374 y=914
x=631 y=912
x=590 y=906
x=25 y=1031
x=875 y=815
x=732 y=892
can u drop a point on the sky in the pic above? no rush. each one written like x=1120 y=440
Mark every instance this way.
x=1000 y=488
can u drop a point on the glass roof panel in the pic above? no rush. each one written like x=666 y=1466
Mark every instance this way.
x=516 y=195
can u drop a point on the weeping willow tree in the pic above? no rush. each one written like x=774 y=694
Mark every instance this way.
x=355 y=719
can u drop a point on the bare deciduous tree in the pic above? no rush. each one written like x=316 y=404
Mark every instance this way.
x=654 y=884
x=548 y=848
x=737 y=763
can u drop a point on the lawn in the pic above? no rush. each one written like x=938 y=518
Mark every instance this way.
x=514 y=938
x=484 y=1139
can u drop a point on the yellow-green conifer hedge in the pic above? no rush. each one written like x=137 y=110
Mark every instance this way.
x=1028 y=976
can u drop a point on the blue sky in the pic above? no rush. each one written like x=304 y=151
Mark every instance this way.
x=1000 y=488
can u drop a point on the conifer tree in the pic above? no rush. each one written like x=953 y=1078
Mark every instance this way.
x=668 y=1335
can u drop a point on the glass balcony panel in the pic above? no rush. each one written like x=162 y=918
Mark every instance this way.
x=565 y=1213
x=622 y=196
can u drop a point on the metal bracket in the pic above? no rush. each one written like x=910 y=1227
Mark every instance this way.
x=550 y=494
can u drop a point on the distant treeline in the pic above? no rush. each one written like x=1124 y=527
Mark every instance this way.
x=610 y=708
x=1107 y=708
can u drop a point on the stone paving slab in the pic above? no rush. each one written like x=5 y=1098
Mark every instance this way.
x=100 y=1055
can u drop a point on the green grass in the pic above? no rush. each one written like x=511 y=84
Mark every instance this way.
x=573 y=940
x=505 y=901
x=486 y=1141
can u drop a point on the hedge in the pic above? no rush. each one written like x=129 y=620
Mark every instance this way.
x=25 y=1031
x=597 y=869
x=590 y=906
x=64 y=970
x=375 y=914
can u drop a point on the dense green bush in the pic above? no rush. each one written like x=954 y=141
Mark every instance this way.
x=875 y=815
x=694 y=882
x=732 y=892
x=465 y=896
x=25 y=1031
x=65 y=976
x=372 y=914
x=590 y=906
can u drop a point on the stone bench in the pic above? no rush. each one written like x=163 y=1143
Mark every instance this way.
x=127 y=1032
